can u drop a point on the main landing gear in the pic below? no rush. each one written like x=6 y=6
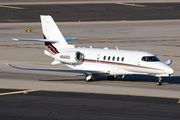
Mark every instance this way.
x=88 y=78
x=159 y=81
x=112 y=77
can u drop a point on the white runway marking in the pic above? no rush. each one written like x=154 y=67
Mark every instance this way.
x=132 y=4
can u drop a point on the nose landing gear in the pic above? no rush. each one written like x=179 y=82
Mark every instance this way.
x=159 y=81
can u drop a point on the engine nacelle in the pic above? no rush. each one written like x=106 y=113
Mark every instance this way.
x=70 y=57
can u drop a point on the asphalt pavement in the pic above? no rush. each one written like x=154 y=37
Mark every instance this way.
x=90 y=12
x=49 y=105
x=52 y=105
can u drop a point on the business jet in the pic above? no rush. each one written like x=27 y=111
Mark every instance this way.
x=96 y=61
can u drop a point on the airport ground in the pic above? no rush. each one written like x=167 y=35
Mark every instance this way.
x=48 y=105
x=57 y=95
x=113 y=11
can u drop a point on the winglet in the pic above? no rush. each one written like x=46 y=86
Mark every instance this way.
x=10 y=65
x=168 y=62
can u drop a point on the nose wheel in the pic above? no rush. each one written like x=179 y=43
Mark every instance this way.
x=159 y=81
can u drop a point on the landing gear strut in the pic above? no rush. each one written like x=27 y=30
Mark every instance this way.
x=159 y=81
x=111 y=77
x=88 y=78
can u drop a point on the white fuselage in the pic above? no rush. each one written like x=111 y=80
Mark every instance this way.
x=119 y=62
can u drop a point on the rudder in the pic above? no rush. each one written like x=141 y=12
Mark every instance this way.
x=52 y=32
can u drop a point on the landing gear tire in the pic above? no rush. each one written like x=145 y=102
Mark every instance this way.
x=159 y=81
x=111 y=78
x=88 y=78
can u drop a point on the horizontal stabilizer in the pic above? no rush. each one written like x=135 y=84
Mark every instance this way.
x=69 y=39
x=43 y=40
x=38 y=40
x=168 y=62
x=61 y=70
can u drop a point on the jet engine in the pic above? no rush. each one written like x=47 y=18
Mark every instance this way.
x=70 y=57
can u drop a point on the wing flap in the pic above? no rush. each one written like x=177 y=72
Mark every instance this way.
x=61 y=70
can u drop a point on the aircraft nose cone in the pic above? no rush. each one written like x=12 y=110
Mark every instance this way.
x=169 y=70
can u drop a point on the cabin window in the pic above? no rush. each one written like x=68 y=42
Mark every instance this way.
x=117 y=58
x=150 y=59
x=104 y=57
x=113 y=58
x=109 y=58
x=122 y=59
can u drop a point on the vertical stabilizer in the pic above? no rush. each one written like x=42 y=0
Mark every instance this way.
x=52 y=32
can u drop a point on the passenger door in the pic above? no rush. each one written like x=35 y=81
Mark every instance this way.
x=98 y=58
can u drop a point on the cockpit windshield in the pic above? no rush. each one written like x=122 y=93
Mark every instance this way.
x=150 y=58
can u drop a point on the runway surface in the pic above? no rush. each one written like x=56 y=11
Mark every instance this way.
x=158 y=37
x=49 y=105
x=90 y=12
x=57 y=95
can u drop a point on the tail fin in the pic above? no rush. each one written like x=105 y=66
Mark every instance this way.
x=52 y=32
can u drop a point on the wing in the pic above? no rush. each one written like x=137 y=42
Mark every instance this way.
x=62 y=70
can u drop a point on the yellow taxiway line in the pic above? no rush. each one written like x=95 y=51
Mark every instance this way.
x=11 y=7
x=24 y=91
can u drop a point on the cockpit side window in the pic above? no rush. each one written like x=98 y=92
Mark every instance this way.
x=153 y=58
x=150 y=59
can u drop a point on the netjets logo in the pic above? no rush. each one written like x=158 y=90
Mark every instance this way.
x=65 y=56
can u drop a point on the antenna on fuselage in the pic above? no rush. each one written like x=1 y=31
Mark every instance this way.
x=117 y=48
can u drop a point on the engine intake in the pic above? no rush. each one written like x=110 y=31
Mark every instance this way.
x=79 y=56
